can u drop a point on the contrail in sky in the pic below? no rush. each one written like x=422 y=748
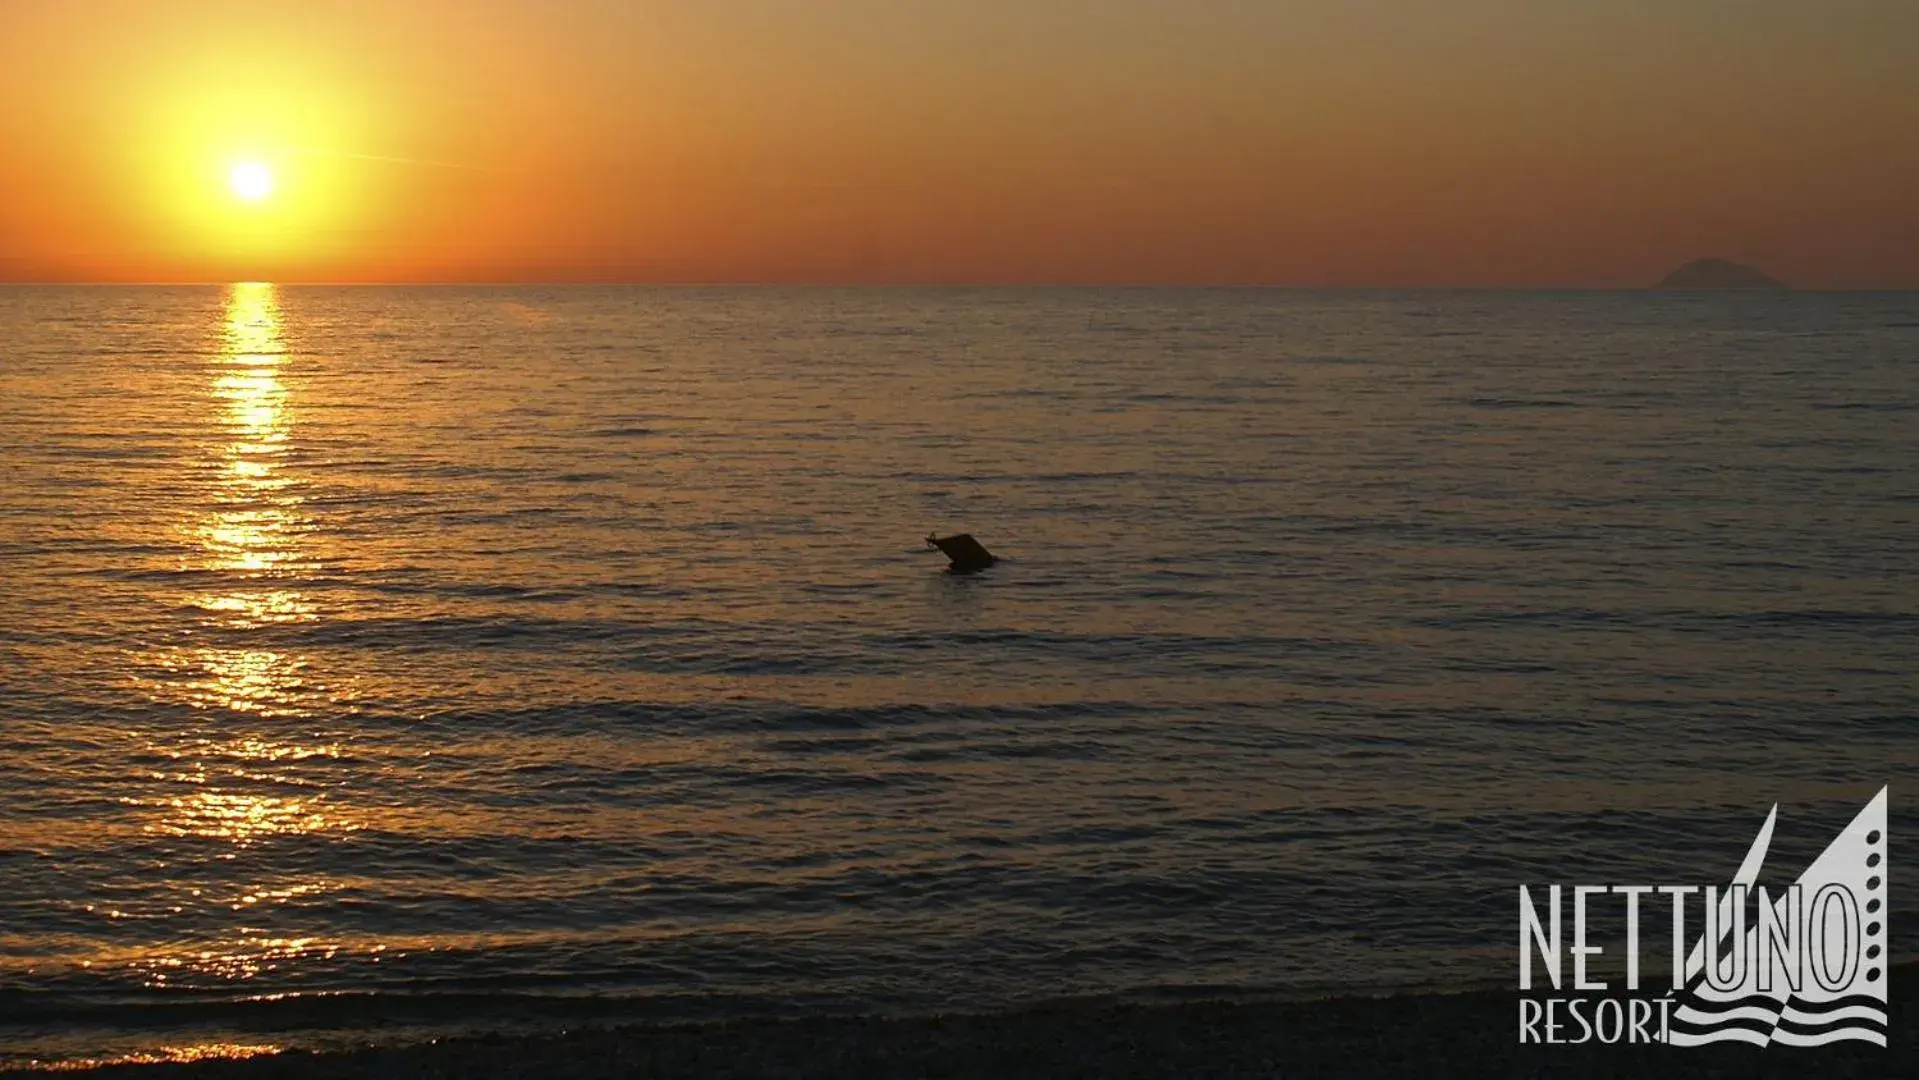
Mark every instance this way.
x=301 y=151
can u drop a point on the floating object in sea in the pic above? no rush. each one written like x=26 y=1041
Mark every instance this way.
x=968 y=554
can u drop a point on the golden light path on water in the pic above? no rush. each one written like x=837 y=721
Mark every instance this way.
x=185 y=1054
x=251 y=539
x=249 y=536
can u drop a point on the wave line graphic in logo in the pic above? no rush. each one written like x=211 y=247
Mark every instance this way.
x=1812 y=970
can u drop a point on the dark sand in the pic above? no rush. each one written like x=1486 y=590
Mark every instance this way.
x=1428 y=1036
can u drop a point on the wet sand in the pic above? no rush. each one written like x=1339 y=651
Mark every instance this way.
x=1427 y=1036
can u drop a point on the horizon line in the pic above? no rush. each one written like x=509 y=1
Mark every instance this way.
x=857 y=283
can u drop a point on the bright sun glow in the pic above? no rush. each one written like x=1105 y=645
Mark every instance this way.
x=251 y=181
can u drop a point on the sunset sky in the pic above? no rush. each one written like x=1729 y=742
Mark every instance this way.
x=1308 y=142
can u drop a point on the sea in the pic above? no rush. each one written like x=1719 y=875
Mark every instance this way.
x=382 y=663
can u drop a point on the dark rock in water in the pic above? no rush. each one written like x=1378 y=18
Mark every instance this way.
x=968 y=554
x=1717 y=274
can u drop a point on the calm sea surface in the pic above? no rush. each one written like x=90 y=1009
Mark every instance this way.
x=434 y=656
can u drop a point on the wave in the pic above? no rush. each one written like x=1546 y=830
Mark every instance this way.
x=1761 y=1020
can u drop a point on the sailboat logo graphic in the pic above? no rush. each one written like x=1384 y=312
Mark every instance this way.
x=1811 y=968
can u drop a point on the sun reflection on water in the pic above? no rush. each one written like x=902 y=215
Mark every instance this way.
x=256 y=769
x=261 y=517
x=252 y=540
x=185 y=1054
x=241 y=818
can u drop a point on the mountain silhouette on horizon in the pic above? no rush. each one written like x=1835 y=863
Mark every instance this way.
x=1718 y=274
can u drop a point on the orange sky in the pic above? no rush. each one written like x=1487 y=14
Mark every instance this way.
x=1330 y=142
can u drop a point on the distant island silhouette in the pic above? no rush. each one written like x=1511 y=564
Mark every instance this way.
x=1718 y=274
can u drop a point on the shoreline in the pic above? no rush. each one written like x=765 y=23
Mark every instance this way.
x=1408 y=1035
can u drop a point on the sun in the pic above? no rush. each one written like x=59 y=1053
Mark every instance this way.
x=251 y=181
